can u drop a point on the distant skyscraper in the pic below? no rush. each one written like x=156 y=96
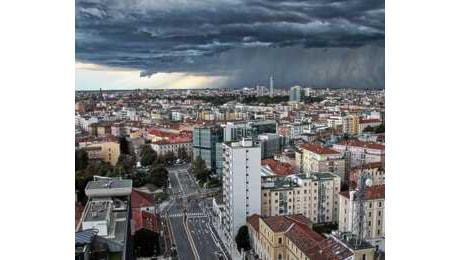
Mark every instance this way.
x=271 y=85
x=297 y=93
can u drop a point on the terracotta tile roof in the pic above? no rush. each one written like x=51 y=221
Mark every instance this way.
x=318 y=149
x=175 y=140
x=278 y=223
x=357 y=143
x=279 y=168
x=371 y=193
x=78 y=212
x=253 y=220
x=329 y=249
x=140 y=199
x=375 y=192
x=369 y=121
x=303 y=238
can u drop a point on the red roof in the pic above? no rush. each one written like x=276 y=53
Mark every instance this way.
x=369 y=121
x=357 y=143
x=279 y=168
x=78 y=212
x=146 y=219
x=318 y=149
x=141 y=200
x=253 y=220
x=372 y=193
x=175 y=140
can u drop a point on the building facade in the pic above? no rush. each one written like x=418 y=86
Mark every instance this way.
x=205 y=140
x=316 y=196
x=317 y=158
x=241 y=184
x=106 y=151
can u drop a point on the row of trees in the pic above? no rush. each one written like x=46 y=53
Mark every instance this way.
x=199 y=170
x=377 y=129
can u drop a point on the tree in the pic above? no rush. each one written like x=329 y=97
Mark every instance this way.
x=147 y=243
x=380 y=129
x=81 y=159
x=368 y=129
x=200 y=171
x=124 y=145
x=148 y=155
x=242 y=239
x=158 y=176
x=128 y=162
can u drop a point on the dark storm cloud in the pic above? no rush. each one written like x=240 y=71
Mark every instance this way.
x=318 y=42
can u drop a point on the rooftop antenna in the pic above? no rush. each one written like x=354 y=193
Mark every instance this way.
x=359 y=219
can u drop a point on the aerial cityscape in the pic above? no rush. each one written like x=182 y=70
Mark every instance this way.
x=230 y=130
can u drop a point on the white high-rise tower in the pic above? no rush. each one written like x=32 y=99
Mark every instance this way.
x=241 y=184
x=271 y=85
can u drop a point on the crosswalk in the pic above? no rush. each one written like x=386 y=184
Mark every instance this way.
x=193 y=214
x=189 y=214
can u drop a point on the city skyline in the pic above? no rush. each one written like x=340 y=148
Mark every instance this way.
x=231 y=44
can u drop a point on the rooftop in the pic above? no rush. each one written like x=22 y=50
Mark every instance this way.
x=318 y=149
x=278 y=168
x=357 y=143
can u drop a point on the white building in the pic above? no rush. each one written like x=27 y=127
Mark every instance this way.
x=241 y=184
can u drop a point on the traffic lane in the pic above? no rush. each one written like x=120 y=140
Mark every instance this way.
x=184 y=250
x=201 y=235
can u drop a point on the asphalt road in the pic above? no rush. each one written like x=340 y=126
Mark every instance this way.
x=187 y=200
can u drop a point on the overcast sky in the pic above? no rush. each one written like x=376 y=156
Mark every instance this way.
x=229 y=43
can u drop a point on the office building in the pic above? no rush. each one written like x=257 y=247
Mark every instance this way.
x=297 y=94
x=205 y=140
x=241 y=185
x=104 y=230
x=236 y=131
x=271 y=144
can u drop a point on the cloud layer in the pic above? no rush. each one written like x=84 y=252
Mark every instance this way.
x=317 y=43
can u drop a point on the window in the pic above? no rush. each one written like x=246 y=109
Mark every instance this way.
x=380 y=213
x=370 y=204
x=378 y=223
x=370 y=214
x=380 y=204
x=280 y=240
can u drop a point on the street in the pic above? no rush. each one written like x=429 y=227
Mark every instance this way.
x=189 y=220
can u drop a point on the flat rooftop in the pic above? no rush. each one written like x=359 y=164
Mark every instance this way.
x=109 y=184
x=98 y=210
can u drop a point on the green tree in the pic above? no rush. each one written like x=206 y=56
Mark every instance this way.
x=200 y=171
x=81 y=159
x=158 y=176
x=128 y=162
x=148 y=155
x=380 y=129
x=368 y=129
x=125 y=147
x=242 y=239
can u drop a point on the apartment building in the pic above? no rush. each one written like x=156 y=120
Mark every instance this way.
x=317 y=158
x=108 y=151
x=315 y=196
x=173 y=145
x=350 y=124
x=374 y=213
x=292 y=237
x=355 y=151
x=241 y=184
